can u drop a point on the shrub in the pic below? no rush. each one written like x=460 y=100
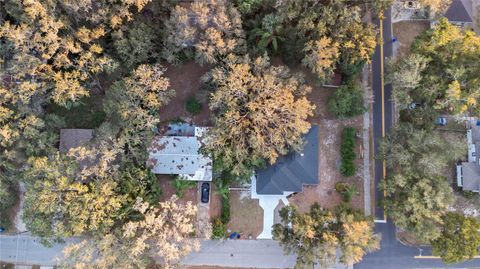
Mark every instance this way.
x=219 y=230
x=193 y=106
x=346 y=191
x=181 y=185
x=347 y=152
x=225 y=214
x=346 y=101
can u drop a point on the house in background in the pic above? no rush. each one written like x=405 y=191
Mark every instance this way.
x=468 y=173
x=288 y=175
x=73 y=138
x=460 y=13
x=177 y=153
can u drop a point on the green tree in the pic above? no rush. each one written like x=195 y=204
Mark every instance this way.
x=261 y=113
x=442 y=70
x=346 y=101
x=459 y=240
x=406 y=75
x=135 y=43
x=417 y=192
x=138 y=182
x=315 y=236
x=268 y=34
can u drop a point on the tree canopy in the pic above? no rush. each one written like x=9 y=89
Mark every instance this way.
x=316 y=235
x=442 y=70
x=261 y=113
x=459 y=240
x=417 y=192
x=212 y=29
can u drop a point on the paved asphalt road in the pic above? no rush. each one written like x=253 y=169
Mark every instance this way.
x=377 y=107
x=231 y=253
x=392 y=255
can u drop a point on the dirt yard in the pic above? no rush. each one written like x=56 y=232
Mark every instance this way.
x=406 y=32
x=246 y=216
x=215 y=202
x=329 y=156
x=185 y=79
x=168 y=190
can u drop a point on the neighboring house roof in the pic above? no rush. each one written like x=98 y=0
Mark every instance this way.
x=179 y=155
x=471 y=176
x=293 y=170
x=72 y=138
x=460 y=11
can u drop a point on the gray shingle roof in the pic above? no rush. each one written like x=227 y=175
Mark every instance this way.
x=72 y=138
x=459 y=11
x=471 y=176
x=293 y=170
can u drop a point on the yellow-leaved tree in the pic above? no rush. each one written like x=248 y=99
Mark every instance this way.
x=261 y=113
x=162 y=235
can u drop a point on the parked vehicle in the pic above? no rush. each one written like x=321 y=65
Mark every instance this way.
x=414 y=105
x=205 y=192
x=442 y=121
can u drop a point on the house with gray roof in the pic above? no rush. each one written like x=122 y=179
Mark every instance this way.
x=460 y=13
x=73 y=138
x=288 y=175
x=468 y=173
x=292 y=171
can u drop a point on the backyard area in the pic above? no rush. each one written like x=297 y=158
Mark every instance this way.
x=330 y=131
x=185 y=79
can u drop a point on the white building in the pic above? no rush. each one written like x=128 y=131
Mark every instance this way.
x=179 y=155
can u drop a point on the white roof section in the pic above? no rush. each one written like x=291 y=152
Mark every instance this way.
x=179 y=155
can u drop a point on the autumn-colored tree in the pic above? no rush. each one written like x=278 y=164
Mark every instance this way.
x=213 y=29
x=63 y=201
x=108 y=13
x=321 y=56
x=459 y=240
x=261 y=111
x=163 y=233
x=132 y=104
x=326 y=33
x=436 y=6
x=316 y=236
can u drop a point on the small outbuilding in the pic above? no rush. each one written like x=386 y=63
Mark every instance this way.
x=73 y=138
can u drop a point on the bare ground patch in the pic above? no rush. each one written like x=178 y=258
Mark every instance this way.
x=168 y=190
x=406 y=32
x=185 y=79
